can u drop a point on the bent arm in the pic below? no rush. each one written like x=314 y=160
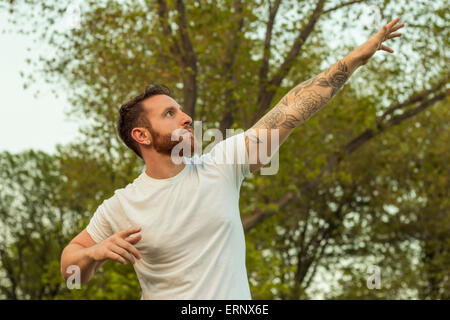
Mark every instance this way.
x=79 y=252
x=89 y=256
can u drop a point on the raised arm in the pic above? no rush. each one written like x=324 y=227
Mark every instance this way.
x=304 y=100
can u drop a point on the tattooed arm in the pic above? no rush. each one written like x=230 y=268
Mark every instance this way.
x=304 y=100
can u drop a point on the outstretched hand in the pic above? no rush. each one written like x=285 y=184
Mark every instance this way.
x=375 y=43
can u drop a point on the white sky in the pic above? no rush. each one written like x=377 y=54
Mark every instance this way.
x=25 y=121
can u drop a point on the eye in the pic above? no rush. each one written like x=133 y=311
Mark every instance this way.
x=170 y=111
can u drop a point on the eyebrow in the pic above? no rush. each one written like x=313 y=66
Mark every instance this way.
x=170 y=108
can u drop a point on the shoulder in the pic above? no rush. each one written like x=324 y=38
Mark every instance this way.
x=119 y=194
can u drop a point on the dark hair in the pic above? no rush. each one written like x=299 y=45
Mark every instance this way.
x=132 y=115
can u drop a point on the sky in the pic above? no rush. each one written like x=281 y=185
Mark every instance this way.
x=27 y=121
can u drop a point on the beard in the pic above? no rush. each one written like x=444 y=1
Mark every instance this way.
x=164 y=145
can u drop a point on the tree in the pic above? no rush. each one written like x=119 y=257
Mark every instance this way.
x=227 y=75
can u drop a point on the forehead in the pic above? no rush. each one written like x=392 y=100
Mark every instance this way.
x=156 y=104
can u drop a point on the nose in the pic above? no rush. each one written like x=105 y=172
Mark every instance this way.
x=187 y=120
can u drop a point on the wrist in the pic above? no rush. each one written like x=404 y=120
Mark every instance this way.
x=356 y=58
x=89 y=253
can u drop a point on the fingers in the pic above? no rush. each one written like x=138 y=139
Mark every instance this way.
x=128 y=232
x=114 y=256
x=130 y=248
x=395 y=28
x=120 y=247
x=388 y=30
x=394 y=35
x=391 y=27
x=122 y=253
x=392 y=23
x=385 y=48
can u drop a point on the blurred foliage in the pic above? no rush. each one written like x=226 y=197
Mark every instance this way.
x=386 y=204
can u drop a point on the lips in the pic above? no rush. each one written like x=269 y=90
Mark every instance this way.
x=187 y=130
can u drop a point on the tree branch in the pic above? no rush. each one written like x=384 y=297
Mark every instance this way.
x=268 y=92
x=190 y=62
x=415 y=98
x=184 y=55
x=316 y=264
x=167 y=30
x=231 y=50
x=317 y=254
x=264 y=69
x=343 y=5
x=260 y=215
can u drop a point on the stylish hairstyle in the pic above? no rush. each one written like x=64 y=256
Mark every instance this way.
x=132 y=115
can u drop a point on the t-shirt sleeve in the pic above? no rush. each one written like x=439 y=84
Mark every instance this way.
x=99 y=227
x=230 y=156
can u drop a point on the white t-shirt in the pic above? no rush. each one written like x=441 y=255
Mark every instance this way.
x=193 y=244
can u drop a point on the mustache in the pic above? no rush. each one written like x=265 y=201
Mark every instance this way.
x=189 y=128
x=181 y=131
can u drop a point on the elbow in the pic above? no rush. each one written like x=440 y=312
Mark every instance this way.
x=70 y=272
x=64 y=272
x=63 y=265
x=73 y=276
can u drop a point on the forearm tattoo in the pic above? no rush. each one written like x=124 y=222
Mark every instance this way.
x=304 y=100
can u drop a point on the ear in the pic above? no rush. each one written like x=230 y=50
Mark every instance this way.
x=141 y=136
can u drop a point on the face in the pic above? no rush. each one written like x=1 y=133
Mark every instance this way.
x=167 y=117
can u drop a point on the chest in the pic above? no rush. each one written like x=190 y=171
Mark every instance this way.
x=184 y=219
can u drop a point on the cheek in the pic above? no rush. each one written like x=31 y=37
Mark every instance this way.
x=161 y=130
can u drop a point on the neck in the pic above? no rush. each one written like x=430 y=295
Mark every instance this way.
x=159 y=166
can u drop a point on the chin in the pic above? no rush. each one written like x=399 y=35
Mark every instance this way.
x=191 y=146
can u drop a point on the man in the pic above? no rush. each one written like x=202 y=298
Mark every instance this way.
x=191 y=243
